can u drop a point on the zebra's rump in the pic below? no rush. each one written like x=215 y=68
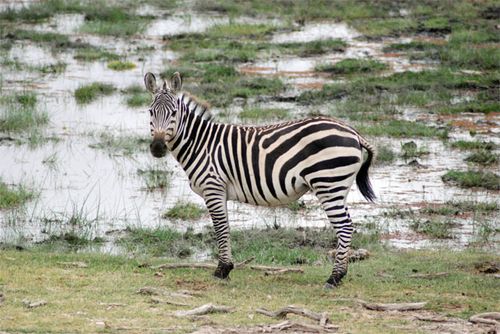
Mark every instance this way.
x=278 y=164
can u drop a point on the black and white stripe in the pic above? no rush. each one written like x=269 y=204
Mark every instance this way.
x=266 y=165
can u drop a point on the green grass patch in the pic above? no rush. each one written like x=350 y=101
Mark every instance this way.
x=385 y=155
x=56 y=39
x=474 y=145
x=455 y=208
x=411 y=150
x=402 y=129
x=386 y=27
x=351 y=66
x=91 y=54
x=238 y=30
x=257 y=114
x=483 y=157
x=472 y=179
x=313 y=48
x=185 y=211
x=121 y=65
x=120 y=145
x=472 y=107
x=435 y=228
x=11 y=197
x=155 y=179
x=19 y=113
x=114 y=21
x=136 y=96
x=88 y=93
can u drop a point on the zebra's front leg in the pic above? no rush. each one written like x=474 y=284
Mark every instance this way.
x=216 y=205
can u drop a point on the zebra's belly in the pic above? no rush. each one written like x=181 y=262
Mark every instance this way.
x=239 y=195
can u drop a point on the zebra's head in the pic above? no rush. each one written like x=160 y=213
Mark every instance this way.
x=162 y=111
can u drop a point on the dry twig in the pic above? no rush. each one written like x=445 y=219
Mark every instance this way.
x=204 y=309
x=30 y=304
x=393 y=306
x=156 y=300
x=490 y=318
x=198 y=265
x=322 y=318
x=283 y=269
x=309 y=328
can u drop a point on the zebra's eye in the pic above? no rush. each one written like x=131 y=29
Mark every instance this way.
x=151 y=112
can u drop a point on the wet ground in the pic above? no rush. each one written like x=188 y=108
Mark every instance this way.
x=102 y=187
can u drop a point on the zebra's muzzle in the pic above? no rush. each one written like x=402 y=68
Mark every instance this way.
x=158 y=148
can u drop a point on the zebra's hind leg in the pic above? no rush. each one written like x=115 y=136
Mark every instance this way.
x=333 y=202
x=216 y=205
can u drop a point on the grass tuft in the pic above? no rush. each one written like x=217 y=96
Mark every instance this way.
x=88 y=93
x=121 y=65
x=155 y=179
x=185 y=211
x=11 y=197
x=352 y=66
x=471 y=179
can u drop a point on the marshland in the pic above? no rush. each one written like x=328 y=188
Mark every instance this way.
x=86 y=211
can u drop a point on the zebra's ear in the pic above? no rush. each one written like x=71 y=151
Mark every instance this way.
x=150 y=82
x=176 y=82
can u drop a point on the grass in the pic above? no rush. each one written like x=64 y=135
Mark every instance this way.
x=483 y=157
x=455 y=208
x=435 y=228
x=119 y=145
x=19 y=113
x=121 y=65
x=155 y=179
x=11 y=197
x=136 y=96
x=55 y=39
x=313 y=48
x=185 y=211
x=385 y=155
x=257 y=114
x=473 y=179
x=352 y=66
x=91 y=54
x=116 y=23
x=410 y=150
x=473 y=145
x=110 y=280
x=402 y=129
x=88 y=93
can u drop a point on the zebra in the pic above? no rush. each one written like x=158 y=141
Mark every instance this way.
x=261 y=165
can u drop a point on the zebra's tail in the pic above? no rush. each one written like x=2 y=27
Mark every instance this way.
x=363 y=179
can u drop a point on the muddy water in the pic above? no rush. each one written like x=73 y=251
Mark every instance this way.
x=102 y=187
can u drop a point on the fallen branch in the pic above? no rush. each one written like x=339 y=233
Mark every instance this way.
x=393 y=306
x=30 y=304
x=309 y=328
x=430 y=276
x=283 y=271
x=322 y=318
x=204 y=309
x=434 y=318
x=269 y=269
x=156 y=300
x=490 y=318
x=74 y=264
x=198 y=265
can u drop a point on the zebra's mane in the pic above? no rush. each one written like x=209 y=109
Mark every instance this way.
x=197 y=106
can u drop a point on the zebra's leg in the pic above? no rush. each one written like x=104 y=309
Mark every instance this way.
x=334 y=205
x=216 y=205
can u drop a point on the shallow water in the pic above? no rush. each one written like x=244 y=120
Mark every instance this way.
x=103 y=189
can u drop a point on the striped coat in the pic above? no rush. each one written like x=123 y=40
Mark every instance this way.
x=265 y=165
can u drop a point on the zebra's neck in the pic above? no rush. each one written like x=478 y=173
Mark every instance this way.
x=193 y=123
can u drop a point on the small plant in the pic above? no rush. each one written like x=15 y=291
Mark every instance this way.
x=11 y=197
x=92 y=54
x=434 y=228
x=474 y=145
x=296 y=206
x=385 y=155
x=19 y=113
x=137 y=96
x=120 y=144
x=483 y=157
x=185 y=211
x=469 y=179
x=410 y=150
x=121 y=65
x=155 y=178
x=351 y=66
x=89 y=93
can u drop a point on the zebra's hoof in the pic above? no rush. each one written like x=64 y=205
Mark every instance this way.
x=223 y=270
x=329 y=286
